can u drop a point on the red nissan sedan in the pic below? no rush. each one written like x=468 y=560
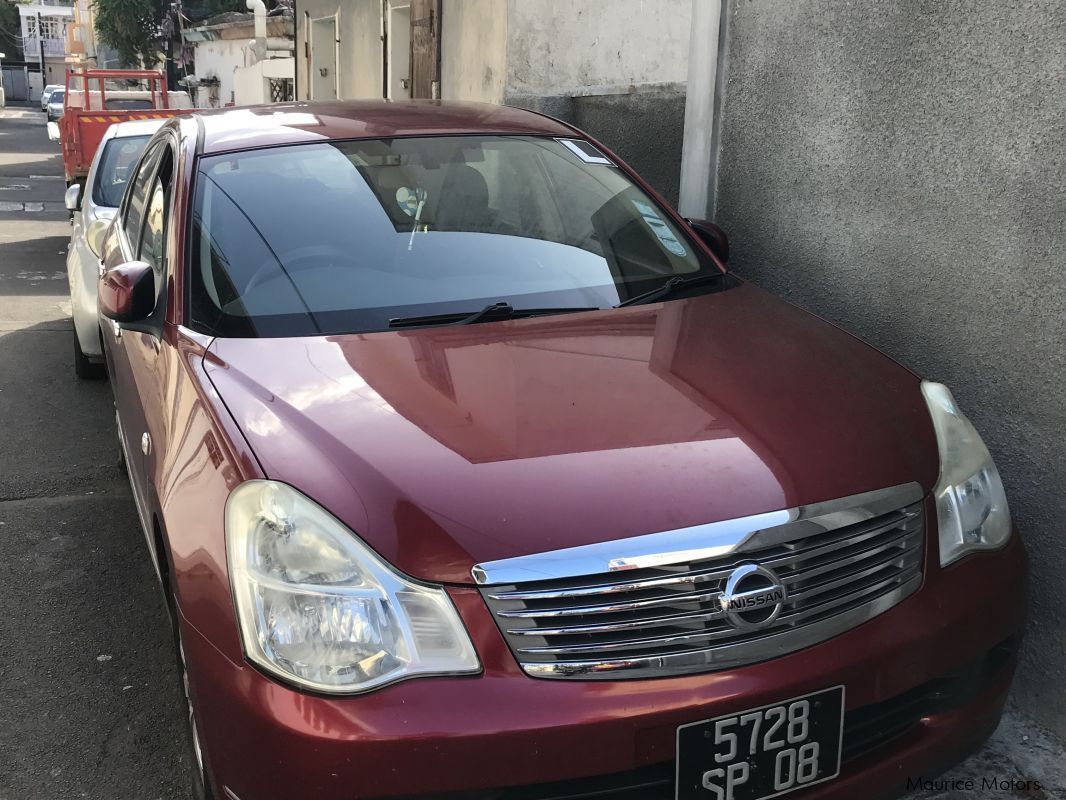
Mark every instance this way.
x=470 y=471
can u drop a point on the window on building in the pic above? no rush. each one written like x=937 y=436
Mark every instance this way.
x=53 y=27
x=282 y=90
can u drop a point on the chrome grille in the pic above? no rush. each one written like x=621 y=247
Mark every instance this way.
x=840 y=564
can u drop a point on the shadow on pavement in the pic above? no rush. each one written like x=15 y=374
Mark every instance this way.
x=89 y=693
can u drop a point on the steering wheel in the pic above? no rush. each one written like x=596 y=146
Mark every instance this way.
x=295 y=260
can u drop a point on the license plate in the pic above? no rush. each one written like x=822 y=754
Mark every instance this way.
x=763 y=752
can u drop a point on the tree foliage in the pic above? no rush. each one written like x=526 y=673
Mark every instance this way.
x=131 y=27
x=202 y=9
x=10 y=30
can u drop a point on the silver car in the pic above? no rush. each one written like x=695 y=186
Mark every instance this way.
x=114 y=162
x=48 y=93
x=54 y=108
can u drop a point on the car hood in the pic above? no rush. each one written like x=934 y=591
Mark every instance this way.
x=445 y=447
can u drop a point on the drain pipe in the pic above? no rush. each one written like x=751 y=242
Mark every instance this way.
x=698 y=156
x=259 y=46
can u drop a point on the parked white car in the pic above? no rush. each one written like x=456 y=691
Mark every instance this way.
x=114 y=162
x=48 y=93
x=54 y=107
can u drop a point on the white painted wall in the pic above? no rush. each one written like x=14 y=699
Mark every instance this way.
x=250 y=84
x=218 y=59
x=473 y=58
x=581 y=47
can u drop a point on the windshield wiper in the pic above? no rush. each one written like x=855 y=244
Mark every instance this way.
x=672 y=286
x=493 y=312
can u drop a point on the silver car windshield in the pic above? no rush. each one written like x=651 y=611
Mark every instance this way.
x=348 y=236
x=117 y=161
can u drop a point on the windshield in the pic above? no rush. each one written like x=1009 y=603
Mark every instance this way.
x=347 y=236
x=117 y=161
x=127 y=104
x=56 y=96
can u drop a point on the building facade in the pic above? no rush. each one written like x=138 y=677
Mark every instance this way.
x=227 y=70
x=83 y=51
x=44 y=26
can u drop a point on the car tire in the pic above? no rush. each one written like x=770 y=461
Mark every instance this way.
x=84 y=368
x=200 y=786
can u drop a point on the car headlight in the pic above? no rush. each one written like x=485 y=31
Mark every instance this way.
x=319 y=609
x=971 y=505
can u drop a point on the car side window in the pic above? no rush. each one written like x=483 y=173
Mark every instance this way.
x=152 y=249
x=133 y=213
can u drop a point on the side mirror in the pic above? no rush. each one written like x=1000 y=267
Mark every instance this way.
x=53 y=131
x=712 y=236
x=94 y=234
x=72 y=199
x=127 y=292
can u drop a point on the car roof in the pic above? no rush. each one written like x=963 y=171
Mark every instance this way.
x=296 y=123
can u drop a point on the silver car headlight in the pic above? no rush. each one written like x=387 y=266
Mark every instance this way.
x=319 y=609
x=971 y=504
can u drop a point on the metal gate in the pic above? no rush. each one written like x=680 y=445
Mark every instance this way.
x=16 y=83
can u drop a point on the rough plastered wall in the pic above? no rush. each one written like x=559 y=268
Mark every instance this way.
x=218 y=59
x=616 y=70
x=473 y=59
x=581 y=47
x=898 y=167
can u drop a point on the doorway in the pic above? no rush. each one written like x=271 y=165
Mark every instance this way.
x=324 y=59
x=425 y=49
x=398 y=58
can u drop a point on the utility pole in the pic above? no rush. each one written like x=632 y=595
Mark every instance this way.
x=40 y=48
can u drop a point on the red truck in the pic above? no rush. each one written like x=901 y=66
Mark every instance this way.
x=95 y=99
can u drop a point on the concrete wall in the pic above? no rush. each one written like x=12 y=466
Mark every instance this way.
x=251 y=84
x=582 y=47
x=473 y=50
x=898 y=168
x=218 y=59
x=645 y=128
x=616 y=70
x=359 y=57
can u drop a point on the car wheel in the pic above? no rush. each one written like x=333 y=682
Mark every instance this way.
x=83 y=367
x=200 y=786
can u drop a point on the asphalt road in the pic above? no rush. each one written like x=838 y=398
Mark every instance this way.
x=89 y=699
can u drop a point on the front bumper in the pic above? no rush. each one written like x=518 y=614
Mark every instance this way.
x=479 y=735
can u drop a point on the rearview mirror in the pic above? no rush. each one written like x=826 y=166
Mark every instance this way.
x=127 y=292
x=73 y=197
x=712 y=236
x=94 y=235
